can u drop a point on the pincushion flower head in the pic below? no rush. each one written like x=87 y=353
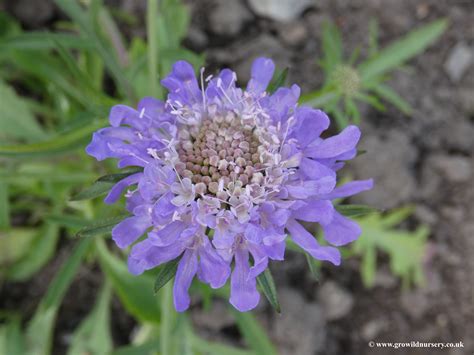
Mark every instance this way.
x=228 y=175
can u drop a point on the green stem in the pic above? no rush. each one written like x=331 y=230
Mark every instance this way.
x=152 y=15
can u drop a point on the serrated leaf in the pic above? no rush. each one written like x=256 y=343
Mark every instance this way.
x=406 y=249
x=355 y=210
x=165 y=273
x=135 y=292
x=402 y=50
x=265 y=280
x=103 y=226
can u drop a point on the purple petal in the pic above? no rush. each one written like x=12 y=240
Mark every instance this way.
x=144 y=255
x=243 y=291
x=129 y=230
x=336 y=145
x=212 y=268
x=261 y=74
x=315 y=211
x=182 y=83
x=309 y=243
x=260 y=260
x=276 y=251
x=315 y=170
x=169 y=234
x=310 y=123
x=116 y=190
x=349 y=189
x=312 y=187
x=187 y=268
x=152 y=108
x=341 y=230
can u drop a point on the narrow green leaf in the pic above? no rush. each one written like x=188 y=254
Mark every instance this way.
x=152 y=41
x=14 y=342
x=148 y=348
x=40 y=329
x=253 y=333
x=332 y=45
x=165 y=273
x=102 y=185
x=402 y=50
x=99 y=188
x=93 y=335
x=4 y=206
x=265 y=280
x=212 y=348
x=16 y=120
x=103 y=226
x=117 y=177
x=386 y=93
x=41 y=249
x=373 y=37
x=43 y=40
x=135 y=292
x=61 y=144
x=278 y=81
x=314 y=266
x=355 y=210
x=79 y=16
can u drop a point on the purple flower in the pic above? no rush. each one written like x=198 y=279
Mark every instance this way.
x=246 y=164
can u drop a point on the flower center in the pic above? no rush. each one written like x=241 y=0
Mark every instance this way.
x=221 y=150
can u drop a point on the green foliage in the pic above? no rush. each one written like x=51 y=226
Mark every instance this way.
x=406 y=249
x=347 y=85
x=165 y=273
x=266 y=283
x=253 y=334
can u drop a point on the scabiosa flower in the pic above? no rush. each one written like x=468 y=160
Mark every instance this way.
x=228 y=175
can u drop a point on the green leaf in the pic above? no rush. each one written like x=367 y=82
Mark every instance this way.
x=152 y=41
x=135 y=292
x=355 y=210
x=41 y=249
x=392 y=97
x=11 y=339
x=15 y=244
x=117 y=177
x=4 y=206
x=212 y=348
x=265 y=280
x=16 y=120
x=165 y=273
x=60 y=144
x=278 y=81
x=402 y=50
x=40 y=329
x=103 y=226
x=406 y=249
x=332 y=46
x=314 y=266
x=102 y=185
x=253 y=333
x=43 y=40
x=93 y=335
x=99 y=188
x=79 y=16
x=148 y=348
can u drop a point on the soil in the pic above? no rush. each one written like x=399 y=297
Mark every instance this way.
x=425 y=160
